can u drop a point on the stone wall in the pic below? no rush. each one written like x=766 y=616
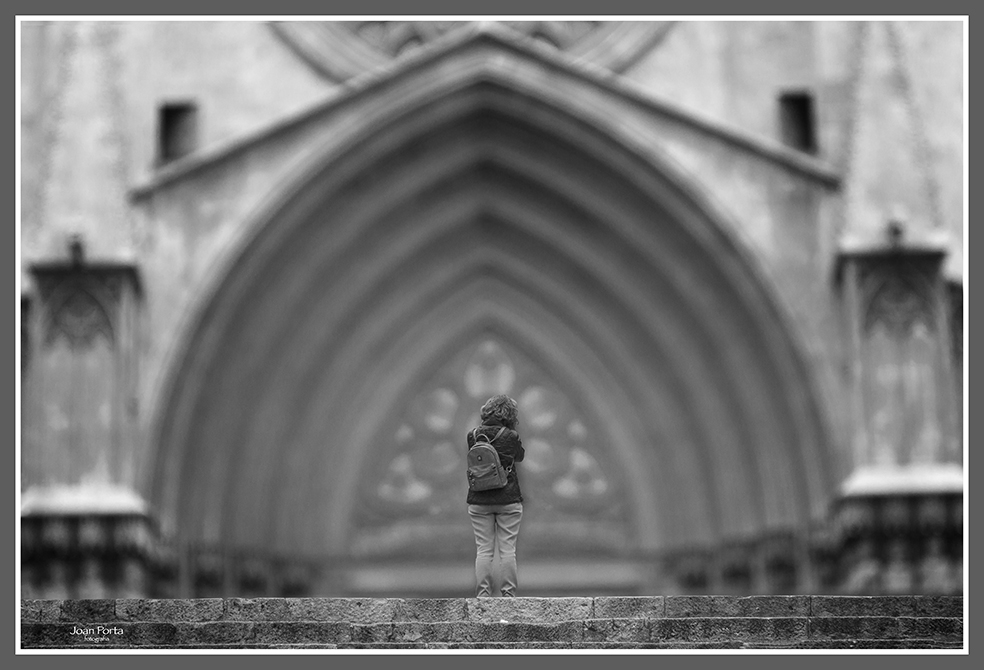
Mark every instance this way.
x=673 y=622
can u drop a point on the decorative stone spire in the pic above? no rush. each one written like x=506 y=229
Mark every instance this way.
x=85 y=150
x=888 y=164
x=899 y=508
x=84 y=525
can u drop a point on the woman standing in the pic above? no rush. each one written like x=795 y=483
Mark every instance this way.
x=496 y=513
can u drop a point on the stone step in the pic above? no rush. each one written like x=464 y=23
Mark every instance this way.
x=462 y=623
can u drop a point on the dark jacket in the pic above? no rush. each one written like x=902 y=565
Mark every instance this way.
x=511 y=451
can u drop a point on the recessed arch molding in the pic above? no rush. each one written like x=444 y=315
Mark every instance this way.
x=487 y=215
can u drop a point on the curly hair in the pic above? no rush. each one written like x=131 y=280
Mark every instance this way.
x=503 y=408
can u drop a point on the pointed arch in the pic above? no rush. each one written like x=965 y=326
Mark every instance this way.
x=488 y=208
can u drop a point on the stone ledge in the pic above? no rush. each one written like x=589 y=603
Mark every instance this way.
x=779 y=631
x=610 y=622
x=849 y=644
x=531 y=610
x=210 y=609
x=625 y=607
x=840 y=606
x=731 y=606
x=729 y=629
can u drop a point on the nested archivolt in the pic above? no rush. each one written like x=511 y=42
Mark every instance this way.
x=501 y=217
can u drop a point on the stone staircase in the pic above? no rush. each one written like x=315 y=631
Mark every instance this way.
x=656 y=622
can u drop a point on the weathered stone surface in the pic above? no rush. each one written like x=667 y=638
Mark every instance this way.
x=729 y=629
x=31 y=611
x=516 y=645
x=467 y=631
x=877 y=644
x=931 y=628
x=561 y=631
x=938 y=606
x=301 y=632
x=782 y=629
x=89 y=645
x=694 y=645
x=676 y=630
x=413 y=631
x=775 y=606
x=73 y=635
x=87 y=611
x=734 y=606
x=213 y=632
x=844 y=628
x=443 y=632
x=612 y=645
x=51 y=611
x=530 y=623
x=256 y=609
x=627 y=606
x=531 y=610
x=847 y=606
x=202 y=609
x=353 y=610
x=383 y=645
x=296 y=646
x=372 y=632
x=749 y=629
x=430 y=609
x=150 y=634
x=616 y=630
x=259 y=646
x=35 y=635
x=773 y=645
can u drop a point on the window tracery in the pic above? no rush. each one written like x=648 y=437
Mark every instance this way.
x=567 y=473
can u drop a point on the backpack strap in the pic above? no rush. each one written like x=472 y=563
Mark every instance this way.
x=502 y=429
x=497 y=435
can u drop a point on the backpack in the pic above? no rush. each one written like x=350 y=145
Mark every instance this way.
x=485 y=471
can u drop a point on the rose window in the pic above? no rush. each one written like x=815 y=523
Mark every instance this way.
x=567 y=475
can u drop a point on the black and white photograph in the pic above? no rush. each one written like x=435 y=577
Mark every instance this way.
x=452 y=335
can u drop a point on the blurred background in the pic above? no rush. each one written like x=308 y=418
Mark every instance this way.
x=270 y=271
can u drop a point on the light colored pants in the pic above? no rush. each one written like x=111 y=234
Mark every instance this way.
x=496 y=528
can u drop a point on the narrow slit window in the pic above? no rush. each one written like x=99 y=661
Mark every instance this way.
x=797 y=121
x=177 y=131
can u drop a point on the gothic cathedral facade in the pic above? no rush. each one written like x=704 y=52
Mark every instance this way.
x=271 y=270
